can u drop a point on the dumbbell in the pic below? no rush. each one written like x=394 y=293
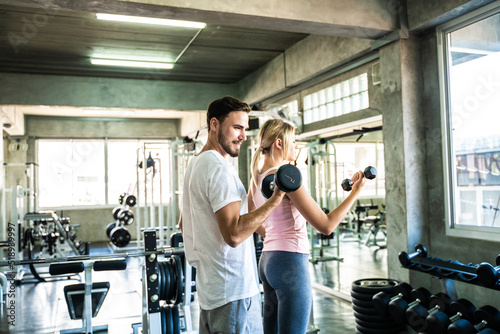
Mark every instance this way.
x=487 y=274
x=438 y=322
x=287 y=178
x=370 y=173
x=398 y=307
x=416 y=316
x=382 y=299
x=405 y=258
x=486 y=319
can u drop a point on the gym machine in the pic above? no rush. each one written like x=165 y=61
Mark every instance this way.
x=323 y=187
x=150 y=182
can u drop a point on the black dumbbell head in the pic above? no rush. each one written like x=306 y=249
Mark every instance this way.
x=268 y=186
x=487 y=274
x=464 y=307
x=370 y=172
x=489 y=314
x=346 y=185
x=288 y=178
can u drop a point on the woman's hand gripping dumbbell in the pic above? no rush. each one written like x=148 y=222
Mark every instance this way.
x=287 y=178
x=370 y=173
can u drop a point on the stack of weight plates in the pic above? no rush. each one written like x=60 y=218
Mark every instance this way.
x=368 y=321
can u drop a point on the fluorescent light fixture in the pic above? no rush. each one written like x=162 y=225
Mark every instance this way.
x=131 y=63
x=150 y=20
x=109 y=112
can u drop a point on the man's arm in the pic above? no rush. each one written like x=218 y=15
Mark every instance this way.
x=236 y=228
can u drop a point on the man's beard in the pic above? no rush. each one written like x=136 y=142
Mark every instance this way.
x=226 y=145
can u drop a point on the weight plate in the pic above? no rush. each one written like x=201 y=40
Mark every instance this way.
x=163 y=317
x=109 y=228
x=374 y=285
x=116 y=211
x=180 y=285
x=363 y=303
x=176 y=320
x=168 y=281
x=361 y=296
x=170 y=320
x=161 y=280
x=365 y=310
x=376 y=325
x=171 y=288
x=130 y=200
x=371 y=318
x=120 y=236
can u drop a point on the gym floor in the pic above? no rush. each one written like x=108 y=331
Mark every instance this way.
x=41 y=306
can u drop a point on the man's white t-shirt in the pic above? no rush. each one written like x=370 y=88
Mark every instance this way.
x=223 y=274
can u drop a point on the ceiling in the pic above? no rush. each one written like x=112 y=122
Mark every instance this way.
x=41 y=41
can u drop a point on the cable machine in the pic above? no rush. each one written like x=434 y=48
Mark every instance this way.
x=323 y=186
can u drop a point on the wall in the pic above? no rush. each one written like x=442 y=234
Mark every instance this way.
x=30 y=89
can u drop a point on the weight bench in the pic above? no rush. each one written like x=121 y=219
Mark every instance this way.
x=84 y=300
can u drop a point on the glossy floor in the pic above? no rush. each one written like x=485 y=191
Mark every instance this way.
x=40 y=307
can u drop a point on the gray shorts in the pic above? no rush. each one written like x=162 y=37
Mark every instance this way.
x=242 y=316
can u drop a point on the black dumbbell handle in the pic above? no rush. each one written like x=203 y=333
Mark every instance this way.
x=347 y=184
x=405 y=258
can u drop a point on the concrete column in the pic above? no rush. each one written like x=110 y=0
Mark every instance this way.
x=404 y=142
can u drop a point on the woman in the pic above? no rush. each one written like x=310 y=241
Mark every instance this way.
x=283 y=266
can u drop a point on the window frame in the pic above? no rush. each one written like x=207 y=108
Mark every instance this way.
x=443 y=34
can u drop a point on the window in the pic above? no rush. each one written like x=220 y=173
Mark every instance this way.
x=71 y=172
x=469 y=59
x=342 y=98
x=352 y=157
x=90 y=172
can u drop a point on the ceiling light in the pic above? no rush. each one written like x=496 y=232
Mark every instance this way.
x=150 y=20
x=131 y=63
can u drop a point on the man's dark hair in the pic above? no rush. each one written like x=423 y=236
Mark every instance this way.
x=221 y=108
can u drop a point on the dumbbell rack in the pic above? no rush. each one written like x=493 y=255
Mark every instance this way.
x=442 y=269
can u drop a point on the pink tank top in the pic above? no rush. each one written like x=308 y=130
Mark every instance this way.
x=286 y=229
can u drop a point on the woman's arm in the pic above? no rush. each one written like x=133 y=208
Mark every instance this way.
x=315 y=216
x=251 y=206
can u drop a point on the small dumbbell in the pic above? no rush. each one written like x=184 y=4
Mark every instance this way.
x=486 y=319
x=287 y=178
x=416 y=316
x=382 y=299
x=398 y=307
x=405 y=258
x=439 y=322
x=370 y=173
x=487 y=274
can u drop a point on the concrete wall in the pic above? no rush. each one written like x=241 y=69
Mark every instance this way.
x=30 y=89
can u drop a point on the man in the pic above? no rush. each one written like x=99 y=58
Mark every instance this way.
x=216 y=226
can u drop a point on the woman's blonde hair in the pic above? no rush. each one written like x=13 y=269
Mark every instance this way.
x=270 y=131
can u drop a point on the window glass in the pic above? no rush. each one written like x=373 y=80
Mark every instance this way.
x=352 y=157
x=71 y=172
x=342 y=98
x=471 y=59
x=122 y=171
